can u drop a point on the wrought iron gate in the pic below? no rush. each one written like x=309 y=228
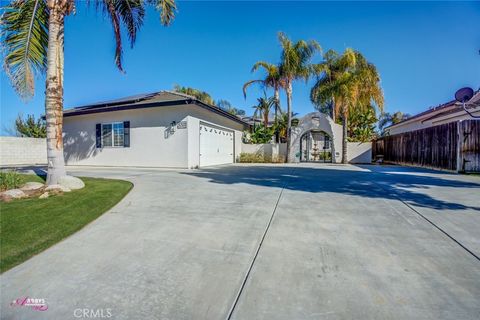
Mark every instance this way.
x=316 y=146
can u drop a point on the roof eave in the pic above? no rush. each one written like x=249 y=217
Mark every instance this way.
x=425 y=114
x=97 y=109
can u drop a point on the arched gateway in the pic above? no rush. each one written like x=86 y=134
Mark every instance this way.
x=315 y=146
x=316 y=139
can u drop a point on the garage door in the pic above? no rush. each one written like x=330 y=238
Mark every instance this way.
x=216 y=145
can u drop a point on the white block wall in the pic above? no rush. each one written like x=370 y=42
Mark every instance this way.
x=267 y=149
x=22 y=151
x=359 y=152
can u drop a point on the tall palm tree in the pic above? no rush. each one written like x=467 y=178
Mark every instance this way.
x=33 y=40
x=295 y=65
x=355 y=84
x=328 y=72
x=272 y=80
x=263 y=108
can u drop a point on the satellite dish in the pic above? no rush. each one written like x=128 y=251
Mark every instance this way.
x=464 y=94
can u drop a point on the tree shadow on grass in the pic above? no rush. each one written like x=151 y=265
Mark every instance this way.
x=367 y=182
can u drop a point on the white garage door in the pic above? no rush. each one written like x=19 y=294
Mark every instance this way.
x=216 y=145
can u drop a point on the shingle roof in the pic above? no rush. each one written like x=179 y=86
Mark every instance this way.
x=147 y=100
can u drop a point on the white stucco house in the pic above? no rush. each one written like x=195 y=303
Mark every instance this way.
x=161 y=129
x=445 y=113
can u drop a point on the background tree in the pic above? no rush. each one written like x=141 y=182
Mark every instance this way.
x=33 y=42
x=388 y=119
x=198 y=94
x=227 y=106
x=294 y=65
x=262 y=109
x=271 y=80
x=281 y=125
x=30 y=127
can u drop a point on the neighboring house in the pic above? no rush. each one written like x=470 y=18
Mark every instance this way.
x=161 y=129
x=256 y=121
x=448 y=112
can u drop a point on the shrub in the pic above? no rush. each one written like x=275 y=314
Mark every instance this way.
x=252 y=158
x=261 y=135
x=9 y=180
x=278 y=159
x=259 y=158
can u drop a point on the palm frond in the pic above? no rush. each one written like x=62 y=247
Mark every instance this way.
x=131 y=12
x=249 y=83
x=265 y=65
x=24 y=33
x=115 y=19
x=295 y=58
x=167 y=9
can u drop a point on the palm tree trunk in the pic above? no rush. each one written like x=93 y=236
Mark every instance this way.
x=344 y=141
x=289 y=124
x=276 y=95
x=54 y=92
x=333 y=110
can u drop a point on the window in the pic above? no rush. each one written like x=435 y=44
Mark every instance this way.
x=112 y=134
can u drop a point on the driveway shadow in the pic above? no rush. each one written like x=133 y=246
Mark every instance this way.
x=348 y=180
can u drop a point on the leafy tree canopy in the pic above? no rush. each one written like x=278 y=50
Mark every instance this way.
x=207 y=98
x=227 y=106
x=260 y=134
x=388 y=119
x=361 y=127
x=31 y=127
x=198 y=94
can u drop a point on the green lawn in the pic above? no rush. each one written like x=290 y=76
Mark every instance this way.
x=29 y=226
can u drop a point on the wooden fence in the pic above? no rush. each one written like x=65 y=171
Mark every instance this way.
x=469 y=147
x=453 y=146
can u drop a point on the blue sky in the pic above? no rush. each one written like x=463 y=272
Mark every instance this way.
x=424 y=51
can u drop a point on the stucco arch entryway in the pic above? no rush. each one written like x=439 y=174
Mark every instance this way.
x=317 y=123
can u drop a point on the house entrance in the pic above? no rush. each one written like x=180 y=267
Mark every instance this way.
x=316 y=146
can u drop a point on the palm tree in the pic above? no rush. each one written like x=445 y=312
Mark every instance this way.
x=281 y=125
x=328 y=72
x=295 y=65
x=272 y=80
x=355 y=85
x=263 y=108
x=33 y=40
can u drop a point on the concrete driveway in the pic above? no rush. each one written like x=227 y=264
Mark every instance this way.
x=267 y=242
